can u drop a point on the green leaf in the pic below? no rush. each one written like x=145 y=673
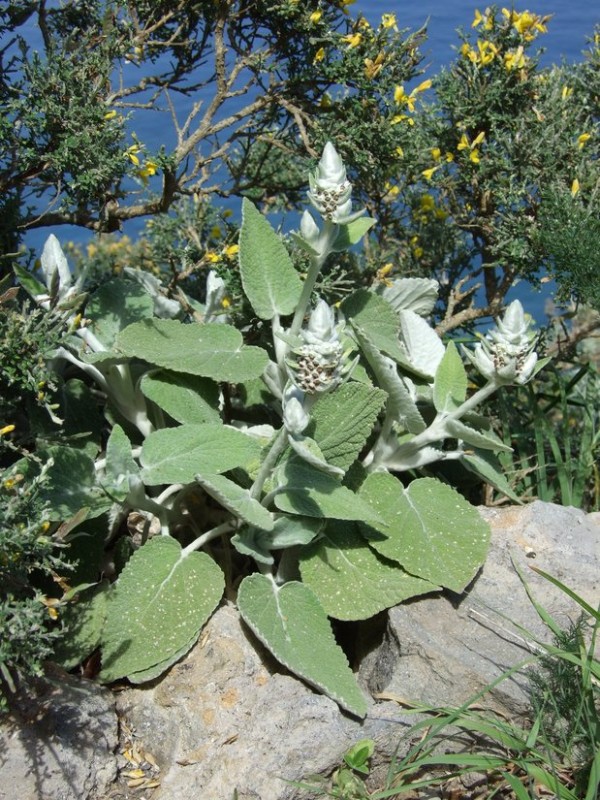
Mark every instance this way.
x=237 y=500
x=177 y=455
x=120 y=464
x=486 y=466
x=429 y=527
x=287 y=532
x=157 y=609
x=486 y=440
x=115 y=305
x=84 y=620
x=270 y=281
x=312 y=493
x=351 y=233
x=401 y=406
x=414 y=294
x=28 y=281
x=352 y=581
x=375 y=315
x=186 y=398
x=450 y=384
x=289 y=620
x=359 y=754
x=212 y=350
x=70 y=484
x=424 y=347
x=342 y=421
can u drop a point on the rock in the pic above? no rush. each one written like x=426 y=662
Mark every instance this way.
x=443 y=649
x=222 y=720
x=59 y=743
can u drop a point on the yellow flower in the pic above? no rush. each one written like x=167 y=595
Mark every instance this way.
x=487 y=51
x=427 y=202
x=212 y=257
x=581 y=140
x=391 y=191
x=352 y=40
x=6 y=429
x=526 y=23
x=468 y=52
x=487 y=19
x=566 y=92
x=344 y=3
x=449 y=157
x=515 y=59
x=422 y=86
x=466 y=144
x=436 y=153
x=131 y=154
x=401 y=118
x=575 y=188
x=319 y=55
x=389 y=21
x=110 y=115
x=373 y=68
x=231 y=250
x=225 y=302
x=150 y=167
x=399 y=152
x=428 y=173
x=315 y=16
x=381 y=276
x=325 y=101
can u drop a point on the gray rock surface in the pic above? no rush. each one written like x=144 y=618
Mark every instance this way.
x=442 y=649
x=62 y=744
x=222 y=720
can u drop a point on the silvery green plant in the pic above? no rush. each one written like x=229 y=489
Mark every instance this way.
x=313 y=518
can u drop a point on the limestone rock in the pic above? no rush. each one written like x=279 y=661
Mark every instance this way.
x=223 y=720
x=443 y=649
x=61 y=743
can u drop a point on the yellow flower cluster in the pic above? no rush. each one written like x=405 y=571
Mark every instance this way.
x=528 y=25
x=408 y=100
x=472 y=147
x=228 y=252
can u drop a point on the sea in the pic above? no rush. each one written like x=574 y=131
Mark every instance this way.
x=570 y=25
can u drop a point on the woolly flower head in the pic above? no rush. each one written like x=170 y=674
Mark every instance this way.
x=506 y=355
x=318 y=364
x=330 y=190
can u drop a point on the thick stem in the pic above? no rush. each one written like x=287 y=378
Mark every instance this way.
x=326 y=240
x=277 y=448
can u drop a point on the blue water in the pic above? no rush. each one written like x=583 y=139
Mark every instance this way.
x=568 y=28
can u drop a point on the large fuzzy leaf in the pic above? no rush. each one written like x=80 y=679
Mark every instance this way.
x=177 y=455
x=429 y=528
x=290 y=621
x=450 y=385
x=115 y=305
x=186 y=398
x=312 y=493
x=237 y=500
x=351 y=580
x=423 y=346
x=342 y=421
x=213 y=350
x=372 y=313
x=270 y=281
x=157 y=609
